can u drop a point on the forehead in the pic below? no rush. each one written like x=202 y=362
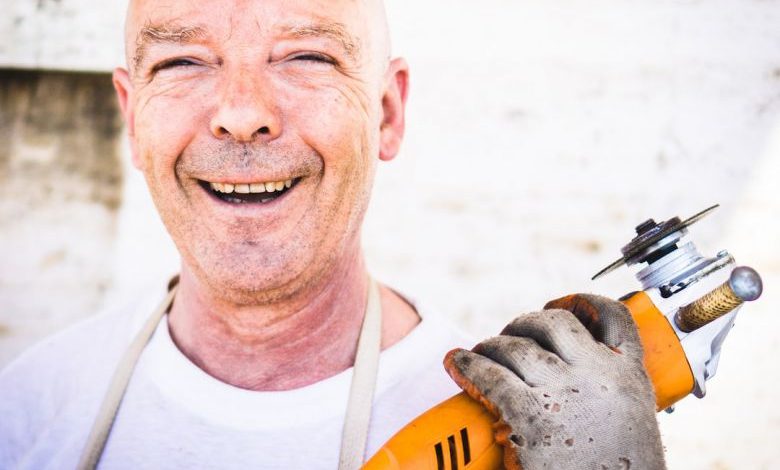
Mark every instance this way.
x=226 y=17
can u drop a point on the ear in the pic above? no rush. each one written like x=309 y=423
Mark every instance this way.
x=124 y=93
x=393 y=109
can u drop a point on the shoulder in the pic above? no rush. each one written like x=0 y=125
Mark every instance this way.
x=73 y=350
x=418 y=356
x=411 y=375
x=64 y=375
x=436 y=331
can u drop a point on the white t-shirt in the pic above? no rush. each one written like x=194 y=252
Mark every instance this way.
x=174 y=415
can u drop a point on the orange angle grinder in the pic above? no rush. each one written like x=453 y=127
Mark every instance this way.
x=684 y=312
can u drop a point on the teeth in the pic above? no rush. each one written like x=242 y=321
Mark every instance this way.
x=246 y=188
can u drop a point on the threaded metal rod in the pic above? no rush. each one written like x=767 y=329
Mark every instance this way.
x=744 y=285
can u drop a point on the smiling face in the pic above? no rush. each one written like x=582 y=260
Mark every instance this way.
x=258 y=125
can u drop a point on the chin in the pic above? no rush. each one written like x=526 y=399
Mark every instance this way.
x=253 y=277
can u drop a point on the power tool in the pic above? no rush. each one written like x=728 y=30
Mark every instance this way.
x=684 y=311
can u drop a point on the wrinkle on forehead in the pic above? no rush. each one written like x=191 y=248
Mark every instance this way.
x=137 y=37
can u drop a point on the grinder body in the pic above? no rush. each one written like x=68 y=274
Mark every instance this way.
x=683 y=314
x=458 y=433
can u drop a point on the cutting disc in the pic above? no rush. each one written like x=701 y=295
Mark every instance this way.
x=649 y=233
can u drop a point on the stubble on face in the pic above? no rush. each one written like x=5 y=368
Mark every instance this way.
x=328 y=133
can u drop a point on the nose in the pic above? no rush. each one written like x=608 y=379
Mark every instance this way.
x=246 y=111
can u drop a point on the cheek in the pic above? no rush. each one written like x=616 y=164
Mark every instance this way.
x=167 y=119
x=346 y=137
x=340 y=122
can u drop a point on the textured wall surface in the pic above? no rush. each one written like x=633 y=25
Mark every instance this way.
x=539 y=134
x=60 y=189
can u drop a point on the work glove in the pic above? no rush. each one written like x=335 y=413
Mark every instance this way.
x=568 y=386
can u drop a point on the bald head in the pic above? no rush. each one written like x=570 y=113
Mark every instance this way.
x=360 y=27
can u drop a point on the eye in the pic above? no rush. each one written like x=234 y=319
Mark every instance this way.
x=173 y=63
x=314 y=57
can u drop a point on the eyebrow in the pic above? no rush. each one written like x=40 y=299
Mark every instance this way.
x=172 y=32
x=334 y=31
x=169 y=32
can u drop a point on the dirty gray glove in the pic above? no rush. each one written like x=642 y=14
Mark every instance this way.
x=566 y=400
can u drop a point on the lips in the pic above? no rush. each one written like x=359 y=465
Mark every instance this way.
x=259 y=192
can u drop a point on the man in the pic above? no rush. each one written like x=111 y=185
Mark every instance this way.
x=258 y=126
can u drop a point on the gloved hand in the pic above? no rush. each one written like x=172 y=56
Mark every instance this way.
x=569 y=388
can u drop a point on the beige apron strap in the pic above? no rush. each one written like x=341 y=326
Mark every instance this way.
x=361 y=393
x=101 y=428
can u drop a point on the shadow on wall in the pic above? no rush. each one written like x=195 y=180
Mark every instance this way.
x=60 y=188
x=60 y=129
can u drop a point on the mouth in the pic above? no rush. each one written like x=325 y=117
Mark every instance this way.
x=249 y=193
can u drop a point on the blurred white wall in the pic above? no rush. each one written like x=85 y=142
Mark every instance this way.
x=80 y=35
x=539 y=134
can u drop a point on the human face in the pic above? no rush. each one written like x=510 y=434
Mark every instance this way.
x=295 y=96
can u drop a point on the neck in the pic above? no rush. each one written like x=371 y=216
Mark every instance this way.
x=287 y=344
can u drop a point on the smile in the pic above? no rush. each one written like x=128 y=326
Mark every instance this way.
x=243 y=193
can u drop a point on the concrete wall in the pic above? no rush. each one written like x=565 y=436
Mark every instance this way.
x=60 y=192
x=540 y=133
